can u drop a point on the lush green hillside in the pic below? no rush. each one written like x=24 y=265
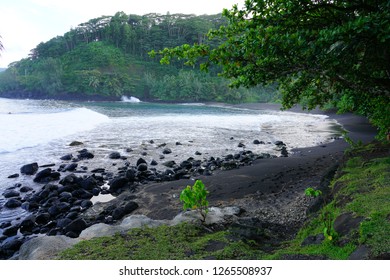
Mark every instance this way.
x=107 y=57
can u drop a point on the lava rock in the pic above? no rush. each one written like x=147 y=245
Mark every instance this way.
x=53 y=211
x=13 y=203
x=27 y=225
x=141 y=161
x=16 y=175
x=12 y=245
x=66 y=157
x=345 y=223
x=117 y=183
x=229 y=165
x=167 y=151
x=46 y=175
x=186 y=164
x=70 y=180
x=98 y=170
x=169 y=164
x=180 y=173
x=130 y=175
x=76 y=143
x=279 y=143
x=75 y=209
x=42 y=218
x=88 y=183
x=153 y=163
x=11 y=231
x=120 y=212
x=25 y=189
x=63 y=207
x=72 y=234
x=142 y=167
x=66 y=195
x=72 y=215
x=11 y=193
x=29 y=169
x=229 y=157
x=257 y=142
x=313 y=240
x=61 y=223
x=241 y=145
x=114 y=155
x=70 y=167
x=76 y=226
x=30 y=206
x=361 y=253
x=86 y=204
x=85 y=154
x=82 y=194
x=96 y=191
x=169 y=172
x=198 y=153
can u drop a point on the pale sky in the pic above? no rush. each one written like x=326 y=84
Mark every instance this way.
x=26 y=23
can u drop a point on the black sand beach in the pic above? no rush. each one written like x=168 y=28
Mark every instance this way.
x=270 y=189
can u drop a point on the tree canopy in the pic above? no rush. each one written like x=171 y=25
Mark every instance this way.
x=318 y=51
x=107 y=57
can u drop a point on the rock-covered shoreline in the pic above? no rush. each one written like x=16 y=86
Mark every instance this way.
x=267 y=189
x=58 y=206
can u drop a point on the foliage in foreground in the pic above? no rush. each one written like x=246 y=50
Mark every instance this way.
x=195 y=198
x=317 y=51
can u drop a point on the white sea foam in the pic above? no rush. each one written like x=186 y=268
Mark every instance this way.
x=193 y=104
x=23 y=130
x=130 y=99
x=48 y=126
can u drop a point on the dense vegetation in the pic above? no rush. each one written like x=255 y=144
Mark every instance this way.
x=107 y=56
x=318 y=52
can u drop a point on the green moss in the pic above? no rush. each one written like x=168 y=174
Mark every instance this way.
x=326 y=249
x=184 y=241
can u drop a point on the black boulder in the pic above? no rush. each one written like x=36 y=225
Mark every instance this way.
x=29 y=169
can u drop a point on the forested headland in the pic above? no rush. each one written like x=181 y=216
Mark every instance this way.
x=107 y=57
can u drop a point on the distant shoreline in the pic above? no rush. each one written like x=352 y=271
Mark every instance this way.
x=100 y=98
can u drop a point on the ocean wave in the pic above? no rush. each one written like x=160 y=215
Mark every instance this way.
x=29 y=130
x=192 y=104
x=130 y=99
